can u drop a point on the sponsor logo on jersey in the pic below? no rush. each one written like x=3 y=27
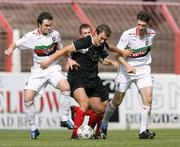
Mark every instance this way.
x=140 y=52
x=147 y=42
x=53 y=39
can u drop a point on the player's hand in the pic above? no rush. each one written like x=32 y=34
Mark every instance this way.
x=127 y=52
x=8 y=52
x=44 y=64
x=130 y=69
x=72 y=64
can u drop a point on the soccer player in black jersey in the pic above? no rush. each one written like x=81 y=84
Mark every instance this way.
x=94 y=118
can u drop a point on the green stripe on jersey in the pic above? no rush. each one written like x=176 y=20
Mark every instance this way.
x=42 y=47
x=140 y=49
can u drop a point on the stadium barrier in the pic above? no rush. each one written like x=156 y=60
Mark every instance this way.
x=165 y=107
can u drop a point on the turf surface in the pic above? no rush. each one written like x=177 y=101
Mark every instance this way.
x=118 y=138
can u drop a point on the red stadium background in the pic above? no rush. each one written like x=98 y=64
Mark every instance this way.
x=70 y=14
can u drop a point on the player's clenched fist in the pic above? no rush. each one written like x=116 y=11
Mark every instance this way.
x=8 y=52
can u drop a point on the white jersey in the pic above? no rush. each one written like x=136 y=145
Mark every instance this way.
x=141 y=47
x=42 y=45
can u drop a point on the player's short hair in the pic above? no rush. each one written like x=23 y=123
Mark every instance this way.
x=143 y=16
x=104 y=28
x=84 y=26
x=42 y=16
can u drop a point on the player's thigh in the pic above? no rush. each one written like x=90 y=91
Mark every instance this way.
x=120 y=90
x=81 y=98
x=145 y=81
x=59 y=80
x=36 y=82
x=145 y=88
x=122 y=86
x=63 y=85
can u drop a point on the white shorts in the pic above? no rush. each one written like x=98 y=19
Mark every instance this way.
x=142 y=78
x=41 y=77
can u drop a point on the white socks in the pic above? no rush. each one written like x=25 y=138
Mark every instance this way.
x=109 y=111
x=30 y=114
x=65 y=103
x=145 y=117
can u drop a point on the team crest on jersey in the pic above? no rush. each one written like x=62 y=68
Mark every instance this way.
x=147 y=42
x=53 y=39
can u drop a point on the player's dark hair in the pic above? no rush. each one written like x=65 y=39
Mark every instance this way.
x=42 y=16
x=143 y=16
x=104 y=28
x=84 y=26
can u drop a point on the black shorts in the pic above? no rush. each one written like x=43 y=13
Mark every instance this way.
x=93 y=87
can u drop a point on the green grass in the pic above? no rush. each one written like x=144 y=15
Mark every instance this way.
x=51 y=138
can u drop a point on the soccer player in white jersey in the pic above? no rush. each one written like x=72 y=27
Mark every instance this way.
x=44 y=42
x=135 y=68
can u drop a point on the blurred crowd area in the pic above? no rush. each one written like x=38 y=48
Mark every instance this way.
x=119 y=17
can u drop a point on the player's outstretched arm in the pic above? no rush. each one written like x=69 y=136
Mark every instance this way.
x=123 y=53
x=65 y=50
x=129 y=68
x=107 y=61
x=10 y=50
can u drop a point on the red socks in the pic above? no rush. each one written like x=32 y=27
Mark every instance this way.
x=93 y=117
x=99 y=120
x=78 y=120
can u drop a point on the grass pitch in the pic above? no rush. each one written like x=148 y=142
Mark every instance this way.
x=118 y=138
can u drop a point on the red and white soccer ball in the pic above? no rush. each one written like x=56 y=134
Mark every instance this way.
x=85 y=132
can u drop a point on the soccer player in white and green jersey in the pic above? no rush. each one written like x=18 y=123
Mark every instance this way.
x=44 y=42
x=135 y=68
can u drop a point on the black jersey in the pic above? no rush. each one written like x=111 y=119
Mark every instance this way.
x=88 y=55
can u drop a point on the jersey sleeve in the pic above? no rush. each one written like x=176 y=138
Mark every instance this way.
x=123 y=41
x=151 y=36
x=26 y=42
x=82 y=43
x=59 y=41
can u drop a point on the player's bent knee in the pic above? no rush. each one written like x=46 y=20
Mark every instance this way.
x=148 y=100
x=99 y=109
x=84 y=106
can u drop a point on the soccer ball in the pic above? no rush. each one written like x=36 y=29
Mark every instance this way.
x=85 y=132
